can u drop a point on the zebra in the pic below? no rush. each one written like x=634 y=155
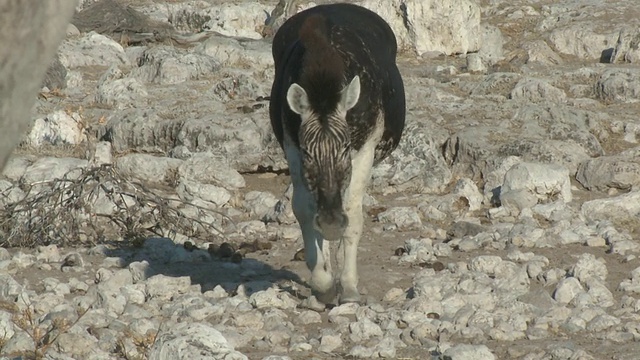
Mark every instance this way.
x=337 y=108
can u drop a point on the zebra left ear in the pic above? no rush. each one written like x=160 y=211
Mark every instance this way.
x=351 y=93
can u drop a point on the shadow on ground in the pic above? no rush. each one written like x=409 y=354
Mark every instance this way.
x=167 y=258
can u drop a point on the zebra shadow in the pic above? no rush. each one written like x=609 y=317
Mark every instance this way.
x=161 y=256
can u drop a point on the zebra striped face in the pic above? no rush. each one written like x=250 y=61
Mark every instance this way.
x=326 y=166
x=326 y=156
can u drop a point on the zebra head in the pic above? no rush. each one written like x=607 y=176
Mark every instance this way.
x=325 y=145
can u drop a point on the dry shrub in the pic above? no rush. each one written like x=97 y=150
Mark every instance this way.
x=100 y=205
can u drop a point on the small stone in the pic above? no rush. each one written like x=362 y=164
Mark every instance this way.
x=534 y=182
x=272 y=298
x=312 y=303
x=599 y=293
x=589 y=267
x=567 y=289
x=330 y=343
x=596 y=241
x=419 y=250
x=167 y=287
x=259 y=203
x=76 y=285
x=101 y=154
x=386 y=348
x=302 y=346
x=602 y=322
x=218 y=292
x=22 y=260
x=58 y=128
x=192 y=340
x=248 y=319
x=288 y=233
x=134 y=294
x=140 y=270
x=54 y=285
x=344 y=309
x=18 y=343
x=404 y=218
x=48 y=253
x=551 y=276
x=485 y=263
x=393 y=294
x=625 y=207
x=534 y=269
x=309 y=317
x=442 y=249
x=364 y=329
x=252 y=228
x=474 y=63
x=110 y=262
x=469 y=352
x=4 y=254
x=361 y=352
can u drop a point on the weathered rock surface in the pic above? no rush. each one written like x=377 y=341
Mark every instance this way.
x=605 y=172
x=620 y=208
x=92 y=49
x=428 y=26
x=167 y=65
x=619 y=85
x=148 y=168
x=627 y=46
x=59 y=128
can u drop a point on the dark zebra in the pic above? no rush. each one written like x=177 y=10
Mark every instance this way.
x=337 y=108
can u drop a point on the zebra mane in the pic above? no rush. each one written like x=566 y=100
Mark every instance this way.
x=323 y=70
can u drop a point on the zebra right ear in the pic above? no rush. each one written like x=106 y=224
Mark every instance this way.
x=297 y=99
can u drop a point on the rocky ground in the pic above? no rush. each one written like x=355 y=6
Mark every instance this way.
x=146 y=213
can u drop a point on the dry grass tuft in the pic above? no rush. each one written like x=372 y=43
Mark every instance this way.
x=44 y=334
x=141 y=344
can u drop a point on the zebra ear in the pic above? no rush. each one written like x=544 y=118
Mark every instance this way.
x=351 y=93
x=297 y=99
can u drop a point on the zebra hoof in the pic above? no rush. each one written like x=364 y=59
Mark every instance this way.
x=352 y=296
x=312 y=303
x=326 y=297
